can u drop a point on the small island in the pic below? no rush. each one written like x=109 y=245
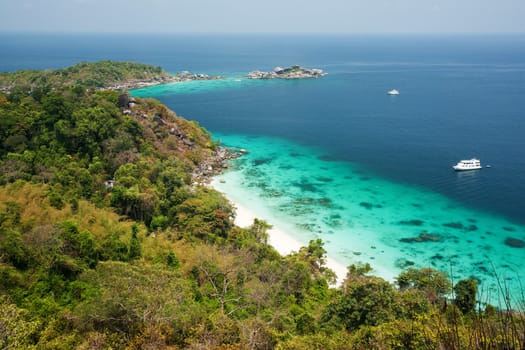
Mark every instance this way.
x=293 y=72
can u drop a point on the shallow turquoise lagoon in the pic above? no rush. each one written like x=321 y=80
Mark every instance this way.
x=235 y=81
x=363 y=218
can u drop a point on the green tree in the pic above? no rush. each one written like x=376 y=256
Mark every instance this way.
x=172 y=260
x=132 y=300
x=78 y=245
x=135 y=247
x=314 y=255
x=433 y=282
x=206 y=215
x=465 y=295
x=16 y=326
x=13 y=249
x=259 y=229
x=368 y=301
x=159 y=222
x=114 y=249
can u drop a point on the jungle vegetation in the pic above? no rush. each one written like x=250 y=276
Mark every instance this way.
x=107 y=242
x=87 y=74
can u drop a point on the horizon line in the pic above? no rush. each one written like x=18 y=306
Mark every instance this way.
x=51 y=32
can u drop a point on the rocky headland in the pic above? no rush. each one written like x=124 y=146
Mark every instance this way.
x=215 y=164
x=179 y=137
x=293 y=72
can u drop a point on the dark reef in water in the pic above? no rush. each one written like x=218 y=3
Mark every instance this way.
x=285 y=167
x=514 y=242
x=311 y=227
x=423 y=237
x=333 y=221
x=460 y=226
x=325 y=202
x=414 y=222
x=261 y=161
x=304 y=201
x=456 y=225
x=305 y=186
x=370 y=206
x=404 y=263
x=482 y=268
x=254 y=173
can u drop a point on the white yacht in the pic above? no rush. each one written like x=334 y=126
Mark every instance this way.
x=467 y=164
x=393 y=92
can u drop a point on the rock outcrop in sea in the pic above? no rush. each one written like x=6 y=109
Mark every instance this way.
x=293 y=72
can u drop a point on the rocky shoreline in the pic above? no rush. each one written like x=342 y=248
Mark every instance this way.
x=293 y=72
x=215 y=164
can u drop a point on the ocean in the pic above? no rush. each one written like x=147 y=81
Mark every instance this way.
x=337 y=158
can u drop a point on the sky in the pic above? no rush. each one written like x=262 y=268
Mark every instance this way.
x=264 y=16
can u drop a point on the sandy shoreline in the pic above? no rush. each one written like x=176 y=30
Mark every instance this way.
x=278 y=239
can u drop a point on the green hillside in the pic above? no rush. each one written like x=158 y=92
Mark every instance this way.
x=108 y=241
x=87 y=74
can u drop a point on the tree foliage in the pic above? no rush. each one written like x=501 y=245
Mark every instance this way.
x=85 y=74
x=466 y=294
x=435 y=283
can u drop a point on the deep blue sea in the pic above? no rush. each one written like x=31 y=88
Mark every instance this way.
x=337 y=157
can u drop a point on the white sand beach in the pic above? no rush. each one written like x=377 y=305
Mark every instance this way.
x=282 y=242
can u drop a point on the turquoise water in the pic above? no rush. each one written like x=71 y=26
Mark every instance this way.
x=364 y=218
x=196 y=86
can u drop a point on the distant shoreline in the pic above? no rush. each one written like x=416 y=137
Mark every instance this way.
x=181 y=77
x=130 y=76
x=293 y=72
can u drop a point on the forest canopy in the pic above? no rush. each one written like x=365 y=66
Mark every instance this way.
x=87 y=74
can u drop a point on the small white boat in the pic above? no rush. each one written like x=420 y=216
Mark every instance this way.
x=467 y=164
x=393 y=92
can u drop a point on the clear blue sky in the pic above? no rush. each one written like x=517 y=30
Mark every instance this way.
x=347 y=16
